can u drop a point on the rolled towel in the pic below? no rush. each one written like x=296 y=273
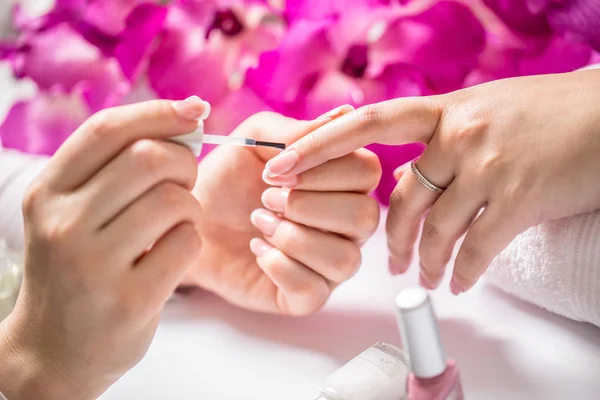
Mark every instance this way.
x=556 y=266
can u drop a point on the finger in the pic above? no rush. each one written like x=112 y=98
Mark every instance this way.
x=329 y=255
x=401 y=170
x=109 y=131
x=409 y=202
x=359 y=171
x=158 y=273
x=142 y=223
x=398 y=121
x=300 y=290
x=448 y=219
x=350 y=214
x=273 y=127
x=491 y=232
x=141 y=166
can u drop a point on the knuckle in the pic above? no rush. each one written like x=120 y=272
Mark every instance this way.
x=32 y=198
x=59 y=231
x=371 y=113
x=346 y=264
x=147 y=156
x=262 y=115
x=466 y=132
x=100 y=122
x=431 y=234
x=287 y=234
x=372 y=168
x=309 y=298
x=368 y=218
x=169 y=195
x=315 y=140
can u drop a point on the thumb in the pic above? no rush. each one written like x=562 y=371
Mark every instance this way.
x=399 y=121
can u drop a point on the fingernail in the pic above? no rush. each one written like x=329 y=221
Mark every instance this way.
x=259 y=247
x=455 y=288
x=192 y=108
x=426 y=283
x=275 y=199
x=286 y=181
x=282 y=163
x=398 y=172
x=265 y=221
x=337 y=112
x=396 y=268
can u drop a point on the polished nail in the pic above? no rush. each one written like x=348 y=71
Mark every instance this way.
x=396 y=268
x=398 y=172
x=425 y=282
x=455 y=288
x=336 y=112
x=275 y=199
x=265 y=221
x=282 y=163
x=259 y=247
x=192 y=108
x=287 y=181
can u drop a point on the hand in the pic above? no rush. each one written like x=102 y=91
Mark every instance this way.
x=526 y=150
x=110 y=230
x=289 y=259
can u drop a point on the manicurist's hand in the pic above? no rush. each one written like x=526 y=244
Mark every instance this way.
x=111 y=228
x=282 y=247
x=525 y=150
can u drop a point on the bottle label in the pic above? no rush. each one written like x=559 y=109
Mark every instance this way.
x=385 y=362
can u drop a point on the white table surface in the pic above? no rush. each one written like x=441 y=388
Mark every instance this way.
x=506 y=349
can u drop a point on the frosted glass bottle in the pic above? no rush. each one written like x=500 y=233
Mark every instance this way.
x=378 y=373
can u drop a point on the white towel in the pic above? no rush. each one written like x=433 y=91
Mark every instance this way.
x=555 y=266
x=17 y=170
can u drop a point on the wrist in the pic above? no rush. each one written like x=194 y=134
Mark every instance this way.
x=25 y=373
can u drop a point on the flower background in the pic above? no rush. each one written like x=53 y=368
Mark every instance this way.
x=296 y=57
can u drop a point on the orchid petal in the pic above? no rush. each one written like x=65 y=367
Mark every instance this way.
x=40 y=125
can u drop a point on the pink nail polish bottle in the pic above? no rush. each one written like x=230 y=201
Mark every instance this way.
x=433 y=377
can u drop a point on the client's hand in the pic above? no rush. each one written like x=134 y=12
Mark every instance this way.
x=110 y=231
x=287 y=254
x=527 y=150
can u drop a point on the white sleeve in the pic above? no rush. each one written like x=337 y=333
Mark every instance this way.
x=2 y=397
x=17 y=170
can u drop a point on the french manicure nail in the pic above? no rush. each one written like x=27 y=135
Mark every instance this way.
x=286 y=181
x=282 y=163
x=259 y=247
x=265 y=221
x=275 y=199
x=395 y=268
x=425 y=282
x=398 y=172
x=455 y=288
x=193 y=108
x=337 y=112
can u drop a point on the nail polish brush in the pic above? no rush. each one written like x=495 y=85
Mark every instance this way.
x=195 y=139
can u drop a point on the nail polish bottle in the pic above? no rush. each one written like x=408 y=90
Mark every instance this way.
x=433 y=377
x=378 y=373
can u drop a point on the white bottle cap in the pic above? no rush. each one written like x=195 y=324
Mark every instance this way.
x=420 y=333
x=192 y=140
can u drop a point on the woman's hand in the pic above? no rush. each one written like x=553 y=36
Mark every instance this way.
x=525 y=150
x=282 y=249
x=111 y=227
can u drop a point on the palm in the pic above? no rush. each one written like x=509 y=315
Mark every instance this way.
x=229 y=188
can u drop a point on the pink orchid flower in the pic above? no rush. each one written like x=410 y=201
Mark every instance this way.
x=206 y=49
